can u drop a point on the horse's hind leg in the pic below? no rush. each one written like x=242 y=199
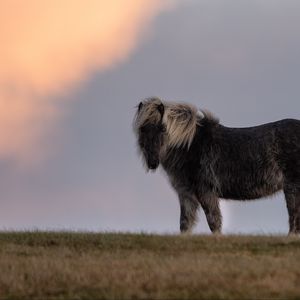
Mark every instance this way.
x=188 y=211
x=292 y=197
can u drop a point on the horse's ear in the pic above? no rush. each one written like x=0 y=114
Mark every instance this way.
x=140 y=106
x=161 y=109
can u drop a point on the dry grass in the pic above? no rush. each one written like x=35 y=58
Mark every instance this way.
x=45 y=265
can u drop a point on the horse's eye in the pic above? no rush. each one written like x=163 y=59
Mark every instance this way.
x=163 y=128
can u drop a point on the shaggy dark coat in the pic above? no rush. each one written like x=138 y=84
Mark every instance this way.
x=229 y=163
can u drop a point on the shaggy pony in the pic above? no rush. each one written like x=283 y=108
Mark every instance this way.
x=205 y=160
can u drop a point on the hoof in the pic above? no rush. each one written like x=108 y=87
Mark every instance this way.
x=294 y=234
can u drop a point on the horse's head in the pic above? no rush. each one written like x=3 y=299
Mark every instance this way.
x=150 y=131
x=150 y=141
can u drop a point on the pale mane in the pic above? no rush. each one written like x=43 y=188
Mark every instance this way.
x=209 y=116
x=181 y=122
x=148 y=113
x=180 y=119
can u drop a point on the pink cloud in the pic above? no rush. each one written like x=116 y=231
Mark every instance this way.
x=49 y=46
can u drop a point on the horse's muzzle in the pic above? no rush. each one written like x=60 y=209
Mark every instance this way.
x=152 y=165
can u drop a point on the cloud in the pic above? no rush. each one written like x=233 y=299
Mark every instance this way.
x=49 y=46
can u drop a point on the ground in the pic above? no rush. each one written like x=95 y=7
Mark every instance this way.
x=70 y=265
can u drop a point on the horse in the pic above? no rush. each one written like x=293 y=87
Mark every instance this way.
x=205 y=160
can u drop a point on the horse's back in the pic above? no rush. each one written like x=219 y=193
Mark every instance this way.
x=288 y=133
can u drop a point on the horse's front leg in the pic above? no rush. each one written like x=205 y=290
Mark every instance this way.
x=211 y=207
x=188 y=211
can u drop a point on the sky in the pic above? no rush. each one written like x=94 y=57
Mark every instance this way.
x=71 y=74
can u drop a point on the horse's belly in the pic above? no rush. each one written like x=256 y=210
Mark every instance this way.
x=249 y=189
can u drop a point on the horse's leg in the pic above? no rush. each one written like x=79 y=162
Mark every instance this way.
x=298 y=212
x=188 y=211
x=211 y=207
x=292 y=197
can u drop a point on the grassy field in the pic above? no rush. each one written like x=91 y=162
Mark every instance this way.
x=48 y=265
